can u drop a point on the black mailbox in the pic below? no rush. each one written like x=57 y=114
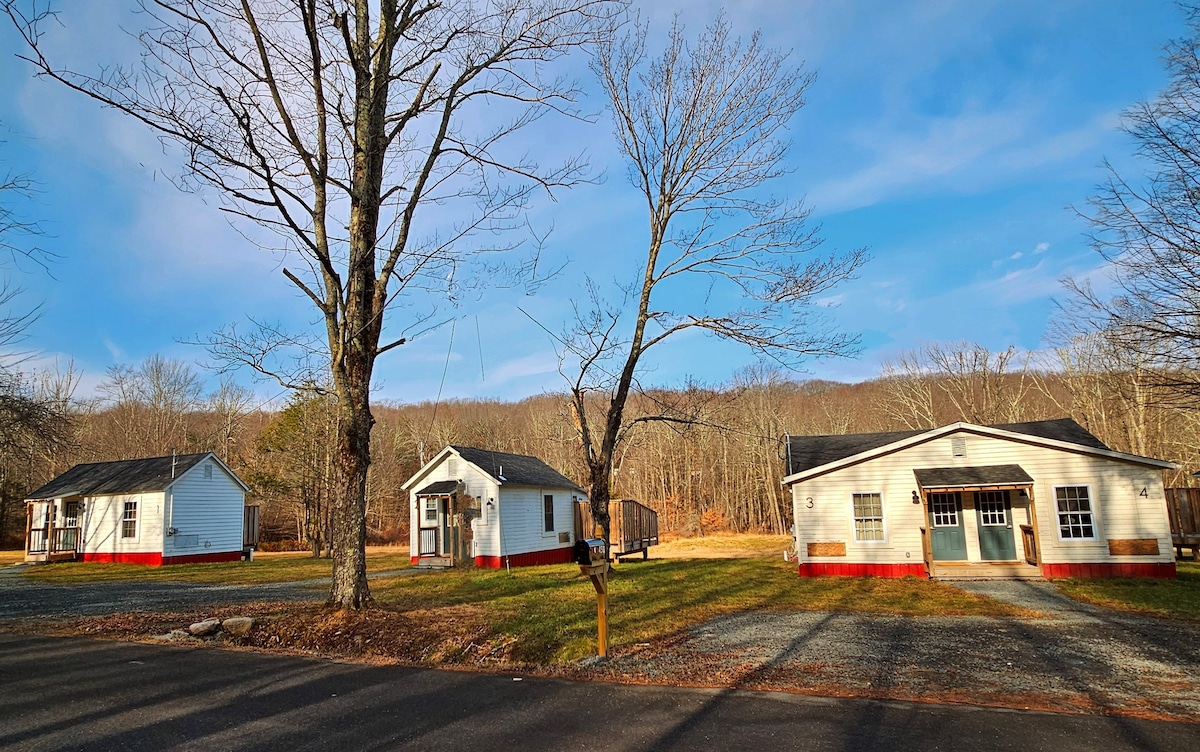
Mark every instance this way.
x=589 y=551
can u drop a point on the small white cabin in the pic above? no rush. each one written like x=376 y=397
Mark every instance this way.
x=494 y=509
x=1022 y=500
x=186 y=508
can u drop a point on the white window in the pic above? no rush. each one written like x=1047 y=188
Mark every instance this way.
x=868 y=517
x=431 y=509
x=1076 y=520
x=129 y=520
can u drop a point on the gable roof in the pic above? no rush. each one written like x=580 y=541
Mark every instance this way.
x=515 y=469
x=123 y=476
x=807 y=454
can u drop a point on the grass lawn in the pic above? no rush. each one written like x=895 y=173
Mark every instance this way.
x=266 y=567
x=11 y=557
x=549 y=613
x=1177 y=598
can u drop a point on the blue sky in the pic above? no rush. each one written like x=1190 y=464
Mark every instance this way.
x=949 y=138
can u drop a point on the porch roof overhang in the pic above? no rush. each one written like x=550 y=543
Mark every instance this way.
x=984 y=477
x=439 y=488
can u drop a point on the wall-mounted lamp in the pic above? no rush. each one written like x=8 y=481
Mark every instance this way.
x=1023 y=494
x=491 y=503
x=916 y=498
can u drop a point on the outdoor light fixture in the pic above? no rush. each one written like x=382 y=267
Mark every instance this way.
x=916 y=498
x=1023 y=494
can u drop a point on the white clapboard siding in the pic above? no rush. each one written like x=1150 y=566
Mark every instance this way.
x=206 y=508
x=522 y=516
x=100 y=524
x=1120 y=512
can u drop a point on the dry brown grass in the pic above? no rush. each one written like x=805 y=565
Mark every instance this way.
x=11 y=557
x=722 y=546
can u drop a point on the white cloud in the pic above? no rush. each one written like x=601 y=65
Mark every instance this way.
x=1041 y=247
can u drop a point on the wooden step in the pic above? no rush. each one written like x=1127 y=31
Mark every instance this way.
x=977 y=570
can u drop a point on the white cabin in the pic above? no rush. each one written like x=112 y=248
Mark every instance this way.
x=494 y=509
x=178 y=509
x=1027 y=500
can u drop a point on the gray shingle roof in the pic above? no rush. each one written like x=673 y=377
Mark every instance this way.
x=438 y=488
x=963 y=477
x=516 y=469
x=807 y=452
x=121 y=477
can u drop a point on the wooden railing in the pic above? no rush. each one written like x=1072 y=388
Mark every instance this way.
x=1030 y=542
x=428 y=542
x=53 y=541
x=633 y=526
x=927 y=551
x=250 y=527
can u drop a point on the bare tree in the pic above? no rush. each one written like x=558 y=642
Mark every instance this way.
x=700 y=128
x=338 y=124
x=1148 y=230
x=969 y=381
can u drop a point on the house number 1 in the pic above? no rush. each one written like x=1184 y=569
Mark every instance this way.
x=810 y=503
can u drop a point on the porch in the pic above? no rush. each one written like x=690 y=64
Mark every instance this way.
x=981 y=539
x=444 y=534
x=47 y=542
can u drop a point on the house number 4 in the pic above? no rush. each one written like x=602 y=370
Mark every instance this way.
x=809 y=503
x=1143 y=493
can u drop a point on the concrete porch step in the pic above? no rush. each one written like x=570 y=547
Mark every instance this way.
x=435 y=561
x=985 y=571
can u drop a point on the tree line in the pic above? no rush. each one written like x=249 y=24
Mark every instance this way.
x=717 y=471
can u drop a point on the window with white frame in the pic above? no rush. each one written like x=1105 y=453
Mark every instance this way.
x=548 y=513
x=129 y=520
x=1076 y=520
x=868 y=517
x=431 y=510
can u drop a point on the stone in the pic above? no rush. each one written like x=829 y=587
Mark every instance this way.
x=173 y=636
x=238 y=626
x=205 y=628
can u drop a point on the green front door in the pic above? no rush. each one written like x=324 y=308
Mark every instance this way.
x=946 y=534
x=993 y=512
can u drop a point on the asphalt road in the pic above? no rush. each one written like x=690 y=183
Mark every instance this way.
x=74 y=693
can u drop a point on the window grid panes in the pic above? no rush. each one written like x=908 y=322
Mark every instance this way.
x=431 y=510
x=868 y=517
x=945 y=510
x=991 y=508
x=548 y=511
x=129 y=520
x=1074 y=513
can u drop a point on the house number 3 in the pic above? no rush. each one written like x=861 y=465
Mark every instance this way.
x=809 y=503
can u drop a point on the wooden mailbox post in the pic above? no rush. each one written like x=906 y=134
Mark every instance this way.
x=592 y=559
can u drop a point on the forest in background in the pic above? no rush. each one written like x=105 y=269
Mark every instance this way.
x=714 y=466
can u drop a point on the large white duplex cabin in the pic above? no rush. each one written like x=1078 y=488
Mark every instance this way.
x=1037 y=499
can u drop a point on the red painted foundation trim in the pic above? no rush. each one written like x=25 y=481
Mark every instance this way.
x=1158 y=570
x=149 y=559
x=531 y=559
x=828 y=569
x=158 y=560
x=203 y=558
x=414 y=560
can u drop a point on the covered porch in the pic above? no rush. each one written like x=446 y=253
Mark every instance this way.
x=980 y=523
x=52 y=530
x=444 y=515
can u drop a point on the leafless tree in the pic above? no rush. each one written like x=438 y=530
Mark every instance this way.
x=344 y=126
x=1148 y=230
x=700 y=127
x=948 y=381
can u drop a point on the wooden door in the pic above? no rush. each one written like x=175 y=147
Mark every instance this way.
x=947 y=537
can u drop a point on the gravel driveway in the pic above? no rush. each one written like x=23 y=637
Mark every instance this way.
x=1075 y=657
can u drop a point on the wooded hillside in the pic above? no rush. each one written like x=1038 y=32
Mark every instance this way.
x=715 y=466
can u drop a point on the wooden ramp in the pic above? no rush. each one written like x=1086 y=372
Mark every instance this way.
x=633 y=526
x=984 y=570
x=1183 y=508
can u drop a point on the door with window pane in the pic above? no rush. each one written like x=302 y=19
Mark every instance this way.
x=993 y=513
x=947 y=537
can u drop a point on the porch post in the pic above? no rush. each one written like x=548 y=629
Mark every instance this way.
x=926 y=540
x=28 y=527
x=1037 y=539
